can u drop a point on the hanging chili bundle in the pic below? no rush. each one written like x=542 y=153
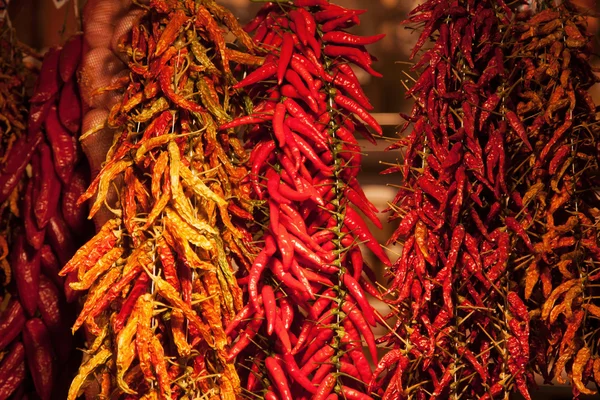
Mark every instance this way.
x=462 y=329
x=553 y=206
x=42 y=176
x=301 y=334
x=157 y=278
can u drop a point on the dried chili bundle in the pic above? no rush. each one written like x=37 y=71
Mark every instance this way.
x=462 y=328
x=553 y=204
x=35 y=318
x=301 y=335
x=158 y=276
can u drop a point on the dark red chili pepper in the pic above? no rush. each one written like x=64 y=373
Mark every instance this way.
x=49 y=192
x=70 y=57
x=18 y=158
x=516 y=227
x=50 y=305
x=75 y=216
x=26 y=270
x=38 y=348
x=518 y=127
x=60 y=239
x=35 y=236
x=69 y=107
x=64 y=147
x=12 y=370
x=48 y=82
x=12 y=320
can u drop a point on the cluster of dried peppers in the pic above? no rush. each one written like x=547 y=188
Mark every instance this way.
x=41 y=179
x=301 y=334
x=499 y=172
x=554 y=176
x=159 y=277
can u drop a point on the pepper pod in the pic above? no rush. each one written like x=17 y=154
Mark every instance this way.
x=157 y=279
x=39 y=158
x=462 y=328
x=302 y=332
x=553 y=203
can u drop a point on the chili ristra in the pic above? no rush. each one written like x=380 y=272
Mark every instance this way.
x=304 y=163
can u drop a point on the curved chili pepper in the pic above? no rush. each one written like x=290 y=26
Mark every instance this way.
x=260 y=74
x=276 y=372
x=356 y=225
x=48 y=82
x=355 y=108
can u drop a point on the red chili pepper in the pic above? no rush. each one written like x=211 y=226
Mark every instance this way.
x=263 y=73
x=357 y=293
x=49 y=192
x=356 y=225
x=26 y=270
x=274 y=188
x=352 y=88
x=325 y=387
x=70 y=56
x=306 y=128
x=139 y=288
x=38 y=348
x=50 y=305
x=12 y=320
x=320 y=357
x=34 y=235
x=518 y=127
x=278 y=119
x=344 y=21
x=75 y=216
x=349 y=39
x=246 y=337
x=268 y=297
x=310 y=3
x=359 y=322
x=69 y=107
x=287 y=311
x=18 y=158
x=259 y=156
x=516 y=227
x=296 y=373
x=355 y=108
x=285 y=55
x=48 y=82
x=256 y=118
x=12 y=370
x=278 y=377
x=260 y=262
x=353 y=394
x=60 y=239
x=64 y=147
